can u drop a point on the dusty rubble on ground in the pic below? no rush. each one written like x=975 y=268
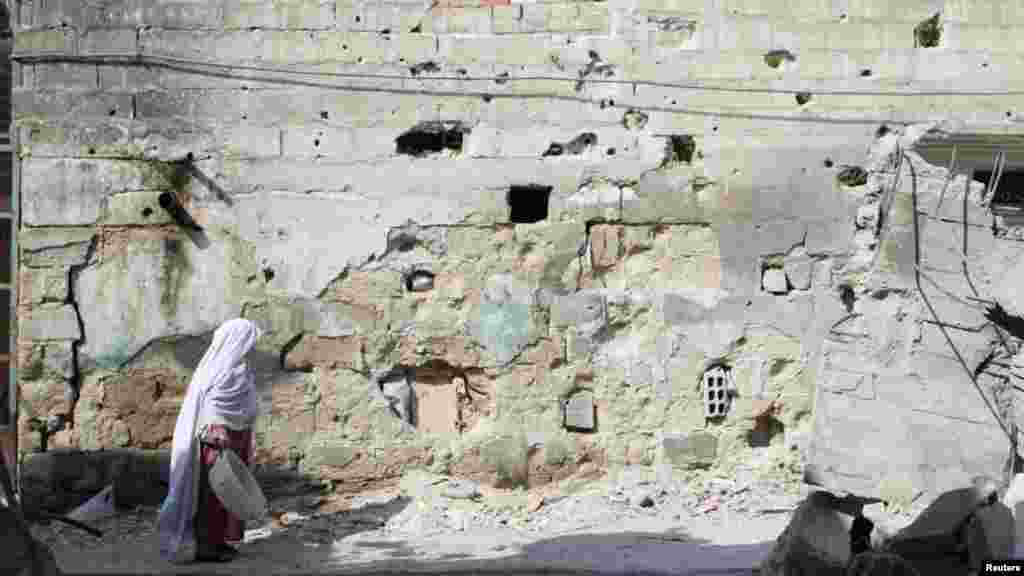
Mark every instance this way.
x=425 y=506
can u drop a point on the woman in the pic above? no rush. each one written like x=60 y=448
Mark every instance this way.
x=217 y=414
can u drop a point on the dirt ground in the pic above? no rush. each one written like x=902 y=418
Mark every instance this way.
x=430 y=524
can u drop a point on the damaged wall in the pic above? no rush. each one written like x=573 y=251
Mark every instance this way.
x=543 y=222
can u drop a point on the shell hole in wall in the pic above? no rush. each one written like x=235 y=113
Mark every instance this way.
x=928 y=34
x=1009 y=193
x=268 y=274
x=419 y=281
x=679 y=148
x=528 y=204
x=431 y=137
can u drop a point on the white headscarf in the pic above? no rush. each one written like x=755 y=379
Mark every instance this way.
x=222 y=388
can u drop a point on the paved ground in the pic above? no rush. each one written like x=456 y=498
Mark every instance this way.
x=630 y=525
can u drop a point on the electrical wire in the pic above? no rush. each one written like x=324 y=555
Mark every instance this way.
x=949 y=340
x=153 y=60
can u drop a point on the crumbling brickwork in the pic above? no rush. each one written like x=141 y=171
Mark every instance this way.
x=514 y=205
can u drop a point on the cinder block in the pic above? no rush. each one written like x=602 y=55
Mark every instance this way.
x=32 y=103
x=696 y=450
x=140 y=13
x=550 y=17
x=463 y=20
x=281 y=14
x=506 y=19
x=45 y=42
x=50 y=323
x=99 y=42
x=39 y=285
x=65 y=76
x=57 y=247
x=68 y=192
x=579 y=411
x=54 y=13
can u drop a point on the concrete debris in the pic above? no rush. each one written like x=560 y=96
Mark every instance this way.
x=964 y=525
x=23 y=554
x=817 y=540
x=99 y=506
x=461 y=490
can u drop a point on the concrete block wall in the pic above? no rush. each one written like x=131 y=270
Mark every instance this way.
x=682 y=159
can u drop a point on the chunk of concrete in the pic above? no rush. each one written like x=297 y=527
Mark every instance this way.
x=23 y=555
x=696 y=450
x=774 y=281
x=799 y=269
x=816 y=541
x=579 y=411
x=1014 y=500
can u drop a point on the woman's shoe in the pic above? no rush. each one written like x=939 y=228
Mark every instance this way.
x=223 y=554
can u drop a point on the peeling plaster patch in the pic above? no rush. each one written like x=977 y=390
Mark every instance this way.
x=504 y=319
x=598 y=193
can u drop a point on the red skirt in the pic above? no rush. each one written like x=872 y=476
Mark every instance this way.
x=216 y=526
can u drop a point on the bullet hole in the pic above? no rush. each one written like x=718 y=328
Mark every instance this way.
x=679 y=149
x=344 y=46
x=416 y=29
x=419 y=281
x=323 y=114
x=928 y=33
x=385 y=31
x=359 y=60
x=984 y=64
x=431 y=136
x=776 y=58
x=147 y=212
x=462 y=71
x=403 y=242
x=634 y=120
x=843 y=17
x=268 y=274
x=112 y=112
x=245 y=116
x=865 y=73
x=714 y=128
x=847 y=297
x=428 y=66
x=502 y=78
x=359 y=19
x=882 y=131
x=528 y=204
x=829 y=163
x=555 y=149
x=610 y=151
x=316 y=142
x=487 y=97
x=803 y=98
x=852 y=176
x=1009 y=114
x=92 y=150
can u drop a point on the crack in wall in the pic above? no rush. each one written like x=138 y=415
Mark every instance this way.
x=74 y=385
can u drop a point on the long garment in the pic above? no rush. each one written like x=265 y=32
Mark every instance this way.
x=222 y=392
x=215 y=526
